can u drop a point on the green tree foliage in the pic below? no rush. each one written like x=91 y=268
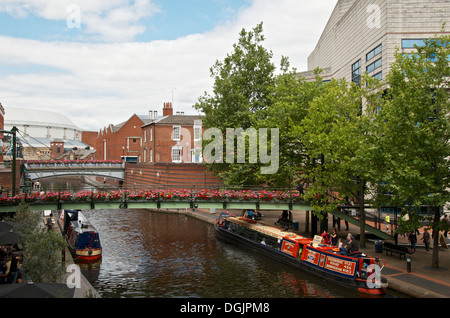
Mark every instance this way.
x=335 y=133
x=41 y=249
x=290 y=97
x=241 y=91
x=414 y=130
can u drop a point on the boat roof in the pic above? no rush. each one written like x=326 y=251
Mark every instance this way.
x=266 y=229
x=86 y=226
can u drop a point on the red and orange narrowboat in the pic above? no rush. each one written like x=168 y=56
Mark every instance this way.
x=356 y=271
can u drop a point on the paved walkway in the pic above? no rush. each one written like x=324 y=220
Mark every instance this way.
x=422 y=282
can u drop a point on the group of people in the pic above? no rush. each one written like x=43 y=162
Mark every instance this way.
x=426 y=239
x=427 y=236
x=351 y=245
x=254 y=215
x=10 y=261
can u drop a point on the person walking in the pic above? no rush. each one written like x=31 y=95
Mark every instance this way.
x=387 y=220
x=445 y=223
x=412 y=237
x=426 y=240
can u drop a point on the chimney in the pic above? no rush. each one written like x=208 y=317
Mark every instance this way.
x=167 y=110
x=155 y=114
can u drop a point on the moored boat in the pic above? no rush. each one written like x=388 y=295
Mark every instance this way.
x=82 y=237
x=356 y=271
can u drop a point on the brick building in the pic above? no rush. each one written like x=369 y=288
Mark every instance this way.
x=170 y=154
x=6 y=175
x=171 y=138
x=59 y=151
x=123 y=140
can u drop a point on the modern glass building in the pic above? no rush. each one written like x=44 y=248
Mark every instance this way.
x=363 y=35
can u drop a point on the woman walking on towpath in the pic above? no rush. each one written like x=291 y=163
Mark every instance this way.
x=426 y=240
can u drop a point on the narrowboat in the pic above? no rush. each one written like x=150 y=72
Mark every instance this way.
x=82 y=237
x=356 y=271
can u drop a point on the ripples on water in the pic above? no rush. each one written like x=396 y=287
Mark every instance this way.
x=148 y=254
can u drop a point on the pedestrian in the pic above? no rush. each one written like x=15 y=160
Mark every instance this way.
x=426 y=240
x=412 y=237
x=325 y=237
x=334 y=237
x=445 y=224
x=387 y=220
x=352 y=244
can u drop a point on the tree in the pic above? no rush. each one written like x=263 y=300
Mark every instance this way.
x=414 y=130
x=41 y=250
x=240 y=92
x=290 y=96
x=335 y=133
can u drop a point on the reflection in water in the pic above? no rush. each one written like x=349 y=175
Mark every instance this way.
x=149 y=254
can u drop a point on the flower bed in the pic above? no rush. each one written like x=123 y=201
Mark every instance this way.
x=67 y=162
x=159 y=196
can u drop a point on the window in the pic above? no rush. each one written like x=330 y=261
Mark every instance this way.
x=197 y=156
x=356 y=72
x=176 y=133
x=378 y=76
x=176 y=154
x=375 y=65
x=409 y=43
x=151 y=156
x=374 y=52
x=197 y=133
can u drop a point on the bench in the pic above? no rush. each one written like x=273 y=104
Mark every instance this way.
x=401 y=250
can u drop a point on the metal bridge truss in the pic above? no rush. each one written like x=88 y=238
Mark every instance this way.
x=44 y=171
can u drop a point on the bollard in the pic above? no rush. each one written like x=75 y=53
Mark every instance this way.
x=408 y=264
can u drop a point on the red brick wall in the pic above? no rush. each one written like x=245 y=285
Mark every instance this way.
x=162 y=143
x=124 y=142
x=89 y=138
x=2 y=125
x=6 y=178
x=142 y=177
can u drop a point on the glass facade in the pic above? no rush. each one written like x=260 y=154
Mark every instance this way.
x=356 y=72
x=375 y=65
x=410 y=43
x=376 y=51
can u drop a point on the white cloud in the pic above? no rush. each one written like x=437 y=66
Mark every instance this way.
x=102 y=83
x=111 y=20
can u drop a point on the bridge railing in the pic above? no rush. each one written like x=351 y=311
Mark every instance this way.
x=61 y=164
x=161 y=195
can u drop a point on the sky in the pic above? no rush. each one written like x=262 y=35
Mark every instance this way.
x=98 y=62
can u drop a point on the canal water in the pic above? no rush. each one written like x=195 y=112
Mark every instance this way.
x=147 y=254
